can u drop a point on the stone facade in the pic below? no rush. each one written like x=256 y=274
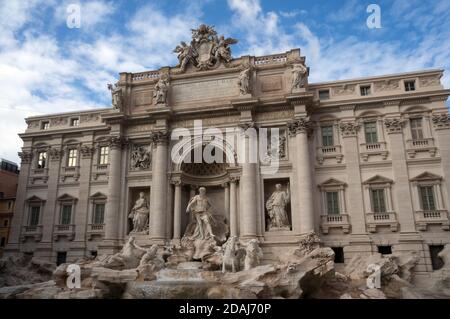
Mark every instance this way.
x=9 y=175
x=366 y=161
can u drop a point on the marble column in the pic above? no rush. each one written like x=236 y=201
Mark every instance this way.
x=177 y=211
x=158 y=204
x=114 y=182
x=299 y=128
x=248 y=216
x=226 y=195
x=233 y=208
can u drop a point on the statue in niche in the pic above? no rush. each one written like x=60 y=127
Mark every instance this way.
x=244 y=82
x=200 y=207
x=276 y=208
x=161 y=90
x=139 y=214
x=116 y=96
x=141 y=157
x=299 y=73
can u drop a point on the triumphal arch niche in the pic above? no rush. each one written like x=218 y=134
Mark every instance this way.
x=246 y=190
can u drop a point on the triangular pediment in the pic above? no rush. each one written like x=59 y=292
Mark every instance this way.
x=427 y=176
x=98 y=195
x=66 y=197
x=35 y=198
x=332 y=182
x=377 y=179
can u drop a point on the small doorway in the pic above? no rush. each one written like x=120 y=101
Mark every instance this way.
x=436 y=261
x=61 y=257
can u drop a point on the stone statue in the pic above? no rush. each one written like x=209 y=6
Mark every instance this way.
x=116 y=96
x=139 y=214
x=276 y=207
x=244 y=81
x=299 y=72
x=200 y=207
x=232 y=254
x=222 y=50
x=141 y=157
x=186 y=53
x=161 y=90
x=253 y=255
x=128 y=258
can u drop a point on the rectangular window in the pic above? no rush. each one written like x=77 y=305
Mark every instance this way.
x=378 y=201
x=34 y=216
x=66 y=214
x=72 y=157
x=416 y=129
x=3 y=242
x=332 y=203
x=61 y=257
x=410 y=86
x=327 y=136
x=75 y=122
x=45 y=125
x=324 y=95
x=365 y=90
x=42 y=160
x=427 y=198
x=104 y=154
x=99 y=213
x=10 y=203
x=370 y=130
x=5 y=223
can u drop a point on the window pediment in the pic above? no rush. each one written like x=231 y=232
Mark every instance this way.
x=427 y=176
x=67 y=198
x=98 y=196
x=35 y=199
x=377 y=179
x=332 y=182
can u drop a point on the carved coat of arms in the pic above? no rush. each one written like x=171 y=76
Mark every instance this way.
x=206 y=50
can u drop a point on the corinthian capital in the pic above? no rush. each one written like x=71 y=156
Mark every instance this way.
x=159 y=137
x=349 y=128
x=441 y=121
x=394 y=125
x=55 y=154
x=116 y=142
x=26 y=157
x=87 y=151
x=302 y=125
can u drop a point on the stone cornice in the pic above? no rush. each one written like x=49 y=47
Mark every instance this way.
x=244 y=104
x=402 y=99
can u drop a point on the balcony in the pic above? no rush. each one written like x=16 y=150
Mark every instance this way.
x=371 y=149
x=67 y=231
x=422 y=145
x=434 y=217
x=335 y=221
x=95 y=230
x=375 y=220
x=325 y=152
x=34 y=232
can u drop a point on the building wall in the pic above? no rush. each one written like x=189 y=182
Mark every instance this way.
x=395 y=163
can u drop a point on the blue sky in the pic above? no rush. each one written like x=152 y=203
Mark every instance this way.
x=46 y=67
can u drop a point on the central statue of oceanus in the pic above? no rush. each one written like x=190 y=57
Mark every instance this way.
x=206 y=231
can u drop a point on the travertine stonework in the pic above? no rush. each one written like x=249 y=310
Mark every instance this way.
x=342 y=141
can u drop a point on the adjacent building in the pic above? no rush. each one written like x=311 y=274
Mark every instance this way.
x=366 y=162
x=9 y=176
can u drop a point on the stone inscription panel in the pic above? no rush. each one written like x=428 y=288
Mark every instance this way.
x=203 y=90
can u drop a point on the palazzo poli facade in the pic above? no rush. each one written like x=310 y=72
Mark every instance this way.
x=364 y=163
